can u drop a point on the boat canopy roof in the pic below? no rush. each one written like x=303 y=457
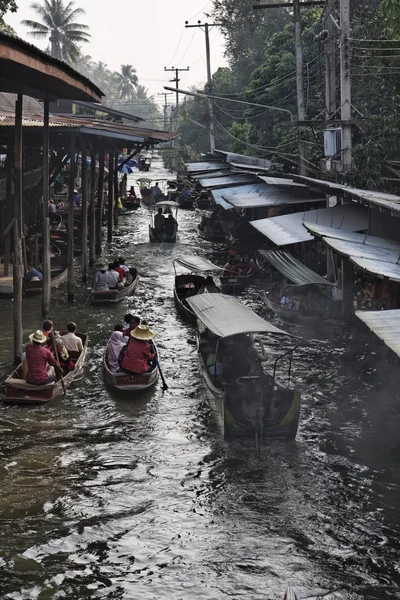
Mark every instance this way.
x=291 y=268
x=225 y=316
x=145 y=180
x=197 y=263
x=167 y=203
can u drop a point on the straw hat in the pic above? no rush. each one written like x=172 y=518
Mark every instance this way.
x=38 y=337
x=142 y=332
x=102 y=267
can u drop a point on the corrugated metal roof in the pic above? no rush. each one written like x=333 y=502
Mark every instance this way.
x=378 y=268
x=281 y=181
x=214 y=174
x=217 y=195
x=198 y=167
x=385 y=324
x=243 y=159
x=352 y=249
x=274 y=198
x=225 y=316
x=226 y=180
x=349 y=236
x=288 y=229
x=293 y=269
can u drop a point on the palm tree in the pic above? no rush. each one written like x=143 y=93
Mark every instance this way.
x=58 y=23
x=142 y=92
x=126 y=81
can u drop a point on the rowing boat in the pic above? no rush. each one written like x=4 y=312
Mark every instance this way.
x=113 y=296
x=59 y=273
x=125 y=382
x=19 y=392
x=235 y=284
x=294 y=315
x=163 y=235
x=250 y=405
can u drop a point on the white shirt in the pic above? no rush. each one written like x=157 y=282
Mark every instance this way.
x=72 y=342
x=112 y=278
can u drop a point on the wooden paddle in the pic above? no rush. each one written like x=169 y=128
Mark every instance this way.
x=164 y=384
x=59 y=366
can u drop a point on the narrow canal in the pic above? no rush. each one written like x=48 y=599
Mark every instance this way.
x=125 y=499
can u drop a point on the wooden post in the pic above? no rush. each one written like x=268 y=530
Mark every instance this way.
x=84 y=240
x=92 y=220
x=110 y=196
x=9 y=206
x=71 y=221
x=116 y=190
x=347 y=289
x=17 y=262
x=46 y=289
x=100 y=201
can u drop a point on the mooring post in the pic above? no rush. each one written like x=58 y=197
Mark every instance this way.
x=100 y=201
x=9 y=206
x=18 y=227
x=84 y=240
x=110 y=196
x=116 y=190
x=71 y=194
x=46 y=286
x=92 y=219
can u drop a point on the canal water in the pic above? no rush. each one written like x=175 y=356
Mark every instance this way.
x=113 y=498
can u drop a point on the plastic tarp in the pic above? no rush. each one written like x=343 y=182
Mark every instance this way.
x=385 y=324
x=251 y=188
x=275 y=198
x=199 y=167
x=197 y=264
x=225 y=316
x=292 y=269
x=288 y=229
x=226 y=180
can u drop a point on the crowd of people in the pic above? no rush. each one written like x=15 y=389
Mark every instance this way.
x=130 y=347
x=112 y=277
x=47 y=354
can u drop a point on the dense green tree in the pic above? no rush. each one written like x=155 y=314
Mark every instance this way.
x=58 y=24
x=126 y=81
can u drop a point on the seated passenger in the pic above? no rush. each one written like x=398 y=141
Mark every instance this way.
x=33 y=274
x=208 y=287
x=72 y=342
x=159 y=220
x=47 y=328
x=112 y=277
x=115 y=345
x=170 y=224
x=100 y=279
x=286 y=301
x=133 y=323
x=38 y=357
x=121 y=272
x=122 y=264
x=56 y=345
x=138 y=353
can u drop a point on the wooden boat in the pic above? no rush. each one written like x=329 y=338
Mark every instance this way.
x=113 y=296
x=211 y=236
x=124 y=382
x=190 y=282
x=20 y=392
x=131 y=203
x=163 y=236
x=203 y=202
x=235 y=284
x=252 y=406
x=59 y=273
x=294 y=315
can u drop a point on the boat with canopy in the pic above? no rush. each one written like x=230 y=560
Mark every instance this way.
x=247 y=402
x=165 y=234
x=189 y=284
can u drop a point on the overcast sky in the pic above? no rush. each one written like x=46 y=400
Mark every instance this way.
x=148 y=34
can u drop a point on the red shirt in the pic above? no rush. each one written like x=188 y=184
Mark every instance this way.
x=120 y=272
x=38 y=357
x=136 y=356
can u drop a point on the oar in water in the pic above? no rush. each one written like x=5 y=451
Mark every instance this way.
x=164 y=383
x=59 y=366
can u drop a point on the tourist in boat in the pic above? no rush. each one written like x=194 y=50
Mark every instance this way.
x=156 y=193
x=47 y=328
x=72 y=342
x=52 y=207
x=112 y=277
x=208 y=286
x=159 y=221
x=132 y=323
x=33 y=274
x=170 y=225
x=115 y=345
x=56 y=345
x=100 y=279
x=122 y=264
x=286 y=301
x=121 y=272
x=38 y=357
x=138 y=353
x=132 y=193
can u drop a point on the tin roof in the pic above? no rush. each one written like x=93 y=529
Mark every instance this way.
x=385 y=324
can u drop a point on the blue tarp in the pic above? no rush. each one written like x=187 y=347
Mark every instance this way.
x=258 y=186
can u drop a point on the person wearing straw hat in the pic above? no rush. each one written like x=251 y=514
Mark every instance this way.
x=138 y=353
x=100 y=279
x=38 y=357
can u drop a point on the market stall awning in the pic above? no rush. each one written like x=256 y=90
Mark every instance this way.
x=244 y=160
x=350 y=236
x=378 y=268
x=385 y=324
x=197 y=264
x=292 y=269
x=225 y=316
x=288 y=229
x=251 y=188
x=354 y=249
x=273 y=198
x=226 y=180
x=198 y=167
x=213 y=175
x=282 y=181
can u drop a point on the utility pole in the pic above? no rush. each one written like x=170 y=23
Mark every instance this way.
x=176 y=80
x=295 y=5
x=330 y=62
x=206 y=28
x=165 y=94
x=345 y=84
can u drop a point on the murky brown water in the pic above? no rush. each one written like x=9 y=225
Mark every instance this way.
x=126 y=499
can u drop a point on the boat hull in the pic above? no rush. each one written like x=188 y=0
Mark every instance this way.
x=217 y=238
x=154 y=239
x=59 y=274
x=235 y=285
x=17 y=391
x=293 y=315
x=124 y=382
x=182 y=283
x=113 y=296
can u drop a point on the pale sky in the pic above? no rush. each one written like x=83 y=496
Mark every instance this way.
x=149 y=34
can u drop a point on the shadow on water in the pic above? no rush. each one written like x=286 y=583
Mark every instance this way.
x=117 y=498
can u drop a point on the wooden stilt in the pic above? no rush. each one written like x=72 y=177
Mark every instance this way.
x=100 y=202
x=116 y=194
x=9 y=205
x=71 y=221
x=46 y=289
x=17 y=262
x=84 y=240
x=92 y=217
x=110 y=196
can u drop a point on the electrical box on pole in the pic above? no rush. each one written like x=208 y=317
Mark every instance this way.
x=332 y=142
